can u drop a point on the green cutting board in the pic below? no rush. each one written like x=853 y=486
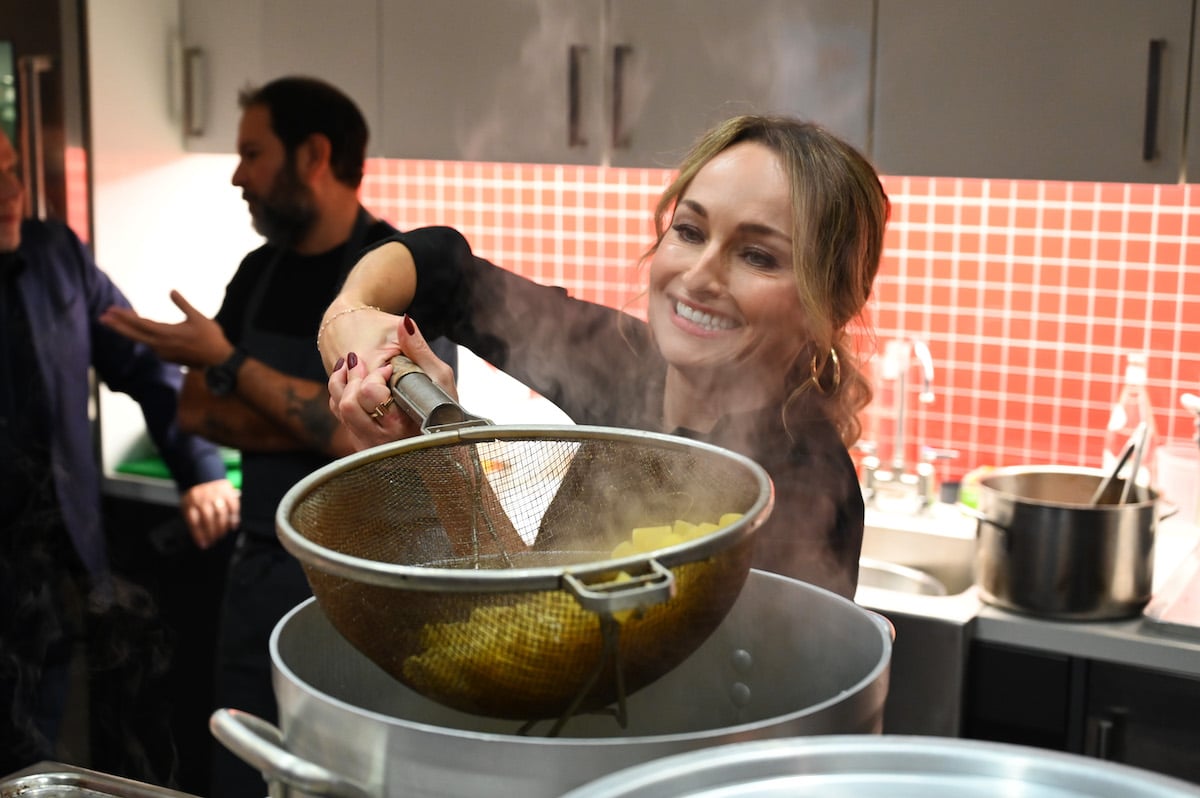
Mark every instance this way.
x=155 y=467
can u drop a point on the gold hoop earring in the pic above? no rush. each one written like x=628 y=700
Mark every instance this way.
x=815 y=376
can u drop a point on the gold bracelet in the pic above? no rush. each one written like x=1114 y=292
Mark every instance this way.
x=338 y=315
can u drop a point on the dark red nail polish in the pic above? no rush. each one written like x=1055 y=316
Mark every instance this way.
x=351 y=360
x=339 y=363
x=409 y=327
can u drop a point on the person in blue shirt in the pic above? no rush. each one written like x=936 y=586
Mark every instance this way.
x=56 y=582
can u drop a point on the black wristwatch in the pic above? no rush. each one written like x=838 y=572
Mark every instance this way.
x=221 y=379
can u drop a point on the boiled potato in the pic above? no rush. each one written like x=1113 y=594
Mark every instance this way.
x=650 y=538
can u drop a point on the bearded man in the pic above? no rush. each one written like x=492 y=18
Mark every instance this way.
x=255 y=379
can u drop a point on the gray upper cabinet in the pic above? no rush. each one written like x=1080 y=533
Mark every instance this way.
x=1065 y=89
x=620 y=82
x=687 y=65
x=1193 y=131
x=492 y=80
x=242 y=43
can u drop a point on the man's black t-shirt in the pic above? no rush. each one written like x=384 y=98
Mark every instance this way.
x=300 y=288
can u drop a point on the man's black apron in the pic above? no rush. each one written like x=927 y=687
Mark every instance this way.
x=265 y=581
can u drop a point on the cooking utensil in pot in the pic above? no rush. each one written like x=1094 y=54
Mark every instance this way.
x=1134 y=446
x=475 y=563
x=1139 y=449
x=789 y=659
x=1045 y=549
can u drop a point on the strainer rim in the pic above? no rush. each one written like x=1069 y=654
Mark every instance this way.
x=541 y=578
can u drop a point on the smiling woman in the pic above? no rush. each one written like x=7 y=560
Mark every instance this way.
x=767 y=245
x=723 y=302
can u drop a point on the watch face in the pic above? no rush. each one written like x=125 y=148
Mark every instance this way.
x=218 y=379
x=221 y=379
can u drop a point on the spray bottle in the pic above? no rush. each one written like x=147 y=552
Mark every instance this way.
x=1132 y=408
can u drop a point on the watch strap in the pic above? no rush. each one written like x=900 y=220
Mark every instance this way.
x=222 y=378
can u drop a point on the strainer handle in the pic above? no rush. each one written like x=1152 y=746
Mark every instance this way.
x=260 y=745
x=425 y=402
x=644 y=590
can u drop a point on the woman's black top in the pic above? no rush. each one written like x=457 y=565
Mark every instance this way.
x=600 y=367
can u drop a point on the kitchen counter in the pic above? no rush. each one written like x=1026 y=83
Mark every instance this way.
x=151 y=490
x=1135 y=641
x=146 y=478
x=935 y=635
x=1128 y=642
x=1132 y=641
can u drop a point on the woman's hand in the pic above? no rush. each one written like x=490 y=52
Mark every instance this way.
x=360 y=318
x=360 y=394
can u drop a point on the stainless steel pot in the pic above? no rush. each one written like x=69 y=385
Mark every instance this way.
x=790 y=659
x=1044 y=549
x=886 y=766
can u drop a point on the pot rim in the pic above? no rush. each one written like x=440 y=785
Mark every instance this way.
x=876 y=765
x=877 y=624
x=1099 y=473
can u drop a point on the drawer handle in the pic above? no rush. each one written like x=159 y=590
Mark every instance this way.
x=575 y=137
x=194 y=90
x=620 y=136
x=1103 y=735
x=1153 y=85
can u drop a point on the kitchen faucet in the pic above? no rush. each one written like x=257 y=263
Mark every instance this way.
x=895 y=478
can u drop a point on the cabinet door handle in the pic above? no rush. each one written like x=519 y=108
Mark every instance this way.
x=1153 y=84
x=1103 y=735
x=575 y=137
x=620 y=136
x=193 y=92
x=30 y=69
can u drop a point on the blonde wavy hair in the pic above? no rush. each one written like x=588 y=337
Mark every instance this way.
x=839 y=210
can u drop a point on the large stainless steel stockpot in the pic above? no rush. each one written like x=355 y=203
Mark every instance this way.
x=1044 y=549
x=790 y=659
x=882 y=767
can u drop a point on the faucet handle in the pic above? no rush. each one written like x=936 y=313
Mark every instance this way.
x=920 y=351
x=931 y=455
x=870 y=467
x=927 y=482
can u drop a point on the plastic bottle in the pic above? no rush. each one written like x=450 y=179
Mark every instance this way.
x=1132 y=408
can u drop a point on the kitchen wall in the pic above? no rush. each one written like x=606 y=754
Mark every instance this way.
x=1027 y=293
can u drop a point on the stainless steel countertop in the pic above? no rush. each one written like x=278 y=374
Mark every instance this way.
x=139 y=488
x=1133 y=641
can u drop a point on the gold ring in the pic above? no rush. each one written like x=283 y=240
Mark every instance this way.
x=382 y=407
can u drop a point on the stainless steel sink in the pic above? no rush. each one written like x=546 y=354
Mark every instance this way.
x=939 y=543
x=889 y=576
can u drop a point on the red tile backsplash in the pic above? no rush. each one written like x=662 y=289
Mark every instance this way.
x=1027 y=292
x=78 y=211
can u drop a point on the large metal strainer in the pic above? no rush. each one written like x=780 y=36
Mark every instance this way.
x=475 y=564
